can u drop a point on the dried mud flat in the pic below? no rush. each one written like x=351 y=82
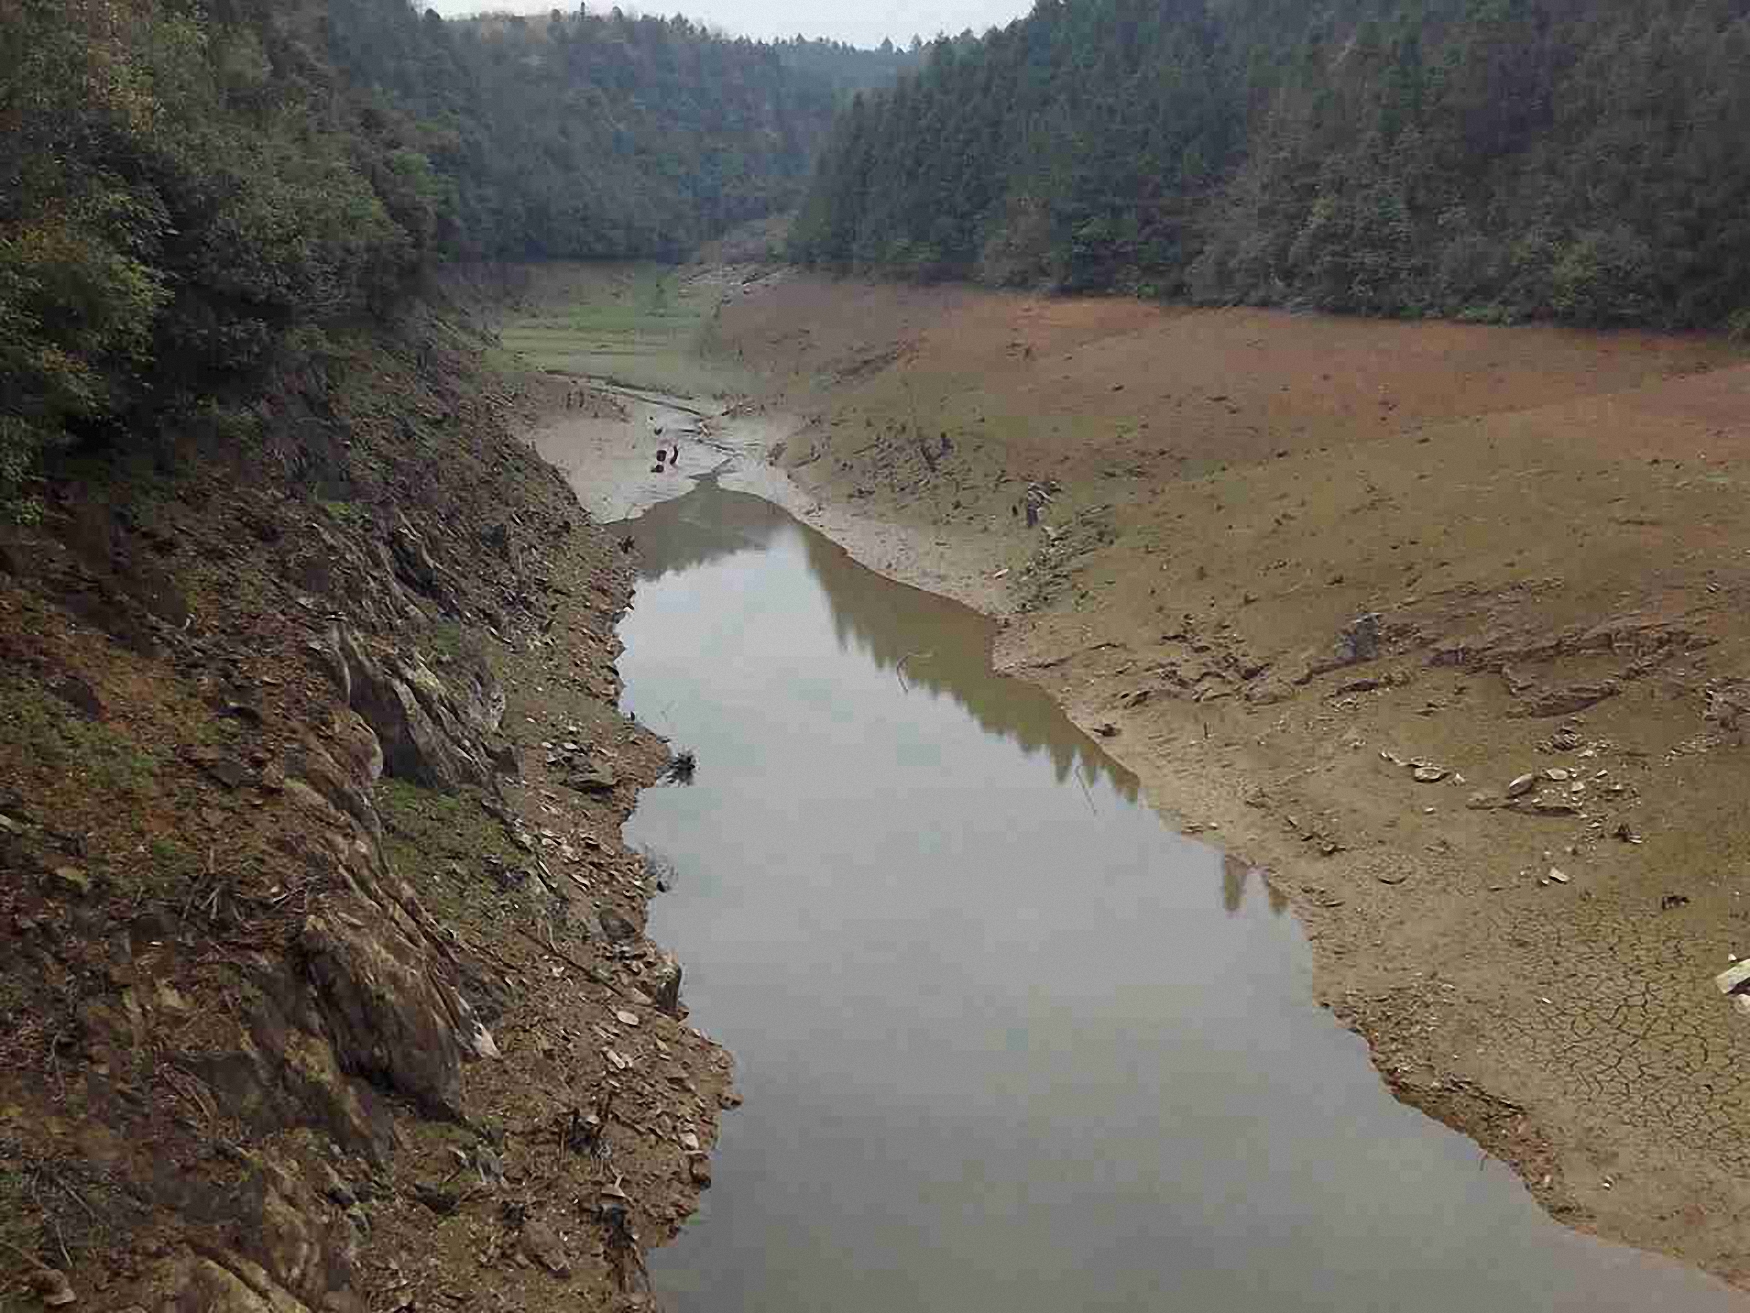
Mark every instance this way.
x=1440 y=626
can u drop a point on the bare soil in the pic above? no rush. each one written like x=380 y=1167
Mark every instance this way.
x=1290 y=561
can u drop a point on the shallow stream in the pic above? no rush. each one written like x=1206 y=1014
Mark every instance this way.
x=1006 y=1042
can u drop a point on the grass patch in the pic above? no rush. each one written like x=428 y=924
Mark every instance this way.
x=170 y=870
x=639 y=324
x=349 y=513
x=441 y=843
x=451 y=642
x=63 y=742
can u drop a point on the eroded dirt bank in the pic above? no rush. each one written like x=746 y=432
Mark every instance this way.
x=1334 y=589
x=322 y=960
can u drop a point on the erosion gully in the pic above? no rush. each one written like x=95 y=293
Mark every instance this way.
x=1007 y=1042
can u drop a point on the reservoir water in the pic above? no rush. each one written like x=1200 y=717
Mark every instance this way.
x=1006 y=1042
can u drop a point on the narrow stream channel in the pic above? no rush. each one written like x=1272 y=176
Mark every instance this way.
x=1006 y=1042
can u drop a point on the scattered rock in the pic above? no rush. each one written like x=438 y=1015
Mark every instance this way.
x=1537 y=700
x=1430 y=774
x=1546 y=804
x=76 y=881
x=541 y=1243
x=1358 y=641
x=414 y=564
x=616 y=929
x=52 y=1287
x=1521 y=785
x=700 y=1170
x=664 y=980
x=1734 y=979
x=232 y=774
x=78 y=694
x=596 y=779
x=1268 y=692
x=1557 y=875
x=480 y=1043
x=626 y=1018
x=440 y=1201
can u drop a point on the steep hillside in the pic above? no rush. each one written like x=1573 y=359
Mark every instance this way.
x=192 y=195
x=321 y=958
x=1479 y=158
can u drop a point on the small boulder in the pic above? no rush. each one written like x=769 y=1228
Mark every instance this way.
x=52 y=1287
x=1734 y=979
x=616 y=928
x=597 y=779
x=664 y=980
x=541 y=1243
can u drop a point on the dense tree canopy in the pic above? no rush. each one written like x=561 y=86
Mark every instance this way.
x=186 y=186
x=1581 y=159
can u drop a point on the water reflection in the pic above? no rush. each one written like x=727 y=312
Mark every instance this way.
x=1235 y=873
x=702 y=526
x=934 y=647
x=1001 y=1048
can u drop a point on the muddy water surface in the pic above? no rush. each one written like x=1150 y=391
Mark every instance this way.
x=1007 y=1043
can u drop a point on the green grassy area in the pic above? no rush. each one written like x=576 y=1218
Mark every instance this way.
x=427 y=833
x=637 y=324
x=62 y=740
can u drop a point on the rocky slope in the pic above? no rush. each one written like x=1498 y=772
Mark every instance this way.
x=322 y=962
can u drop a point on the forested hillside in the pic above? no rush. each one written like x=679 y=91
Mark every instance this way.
x=187 y=188
x=1587 y=160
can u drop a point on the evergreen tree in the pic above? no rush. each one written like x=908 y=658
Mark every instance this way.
x=1505 y=158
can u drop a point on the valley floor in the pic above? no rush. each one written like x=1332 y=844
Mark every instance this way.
x=1438 y=629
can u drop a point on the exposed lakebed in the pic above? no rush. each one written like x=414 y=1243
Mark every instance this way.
x=1005 y=1040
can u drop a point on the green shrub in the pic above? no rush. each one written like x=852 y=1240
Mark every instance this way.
x=1604 y=277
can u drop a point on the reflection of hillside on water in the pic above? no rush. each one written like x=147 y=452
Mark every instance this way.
x=705 y=525
x=945 y=646
x=946 y=649
x=1235 y=872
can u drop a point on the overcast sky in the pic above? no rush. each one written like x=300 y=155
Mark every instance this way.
x=863 y=24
